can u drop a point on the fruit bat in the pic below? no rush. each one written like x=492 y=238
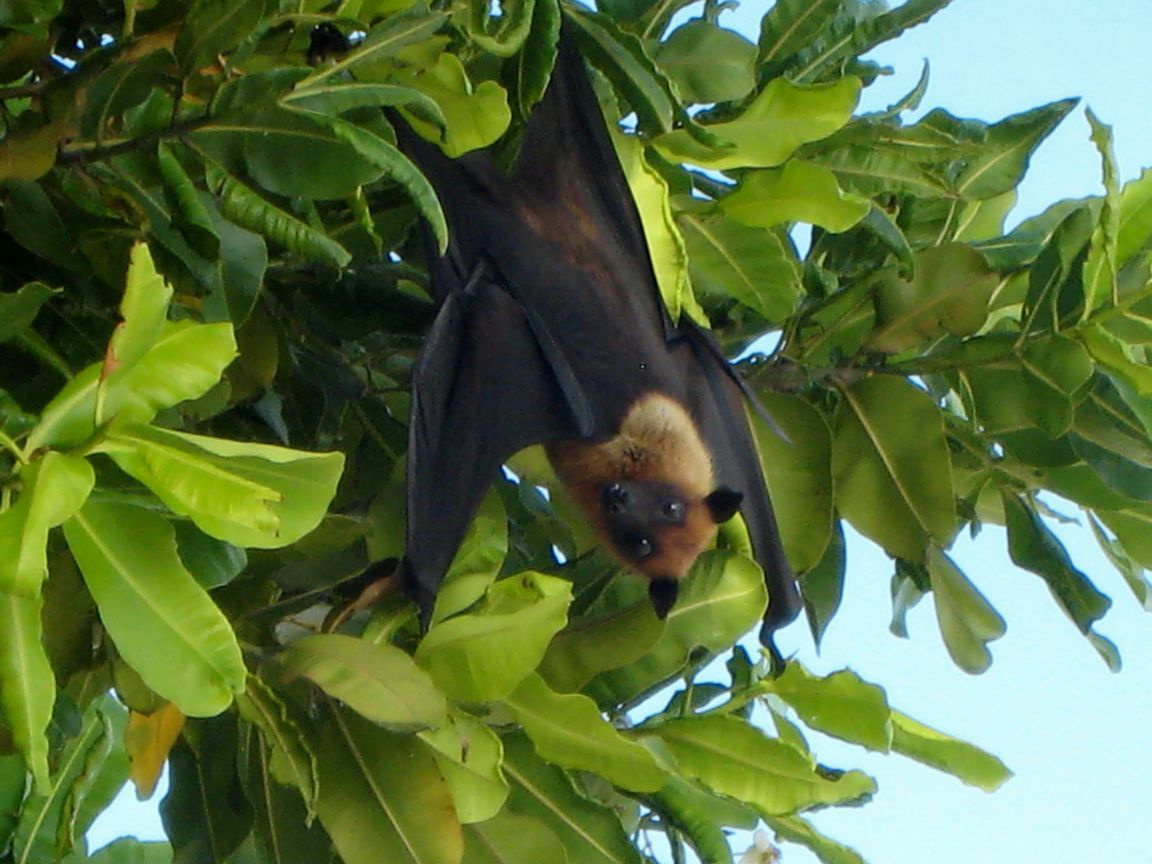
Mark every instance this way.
x=551 y=329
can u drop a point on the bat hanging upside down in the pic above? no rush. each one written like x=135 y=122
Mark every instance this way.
x=551 y=330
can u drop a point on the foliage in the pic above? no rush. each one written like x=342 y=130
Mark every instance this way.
x=210 y=300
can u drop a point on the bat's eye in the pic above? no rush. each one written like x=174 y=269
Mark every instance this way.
x=615 y=498
x=640 y=546
x=673 y=510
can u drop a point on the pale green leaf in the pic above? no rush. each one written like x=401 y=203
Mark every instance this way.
x=965 y=761
x=841 y=704
x=55 y=487
x=249 y=494
x=798 y=192
x=165 y=626
x=483 y=655
x=379 y=682
x=510 y=837
x=968 y=622
x=27 y=682
x=799 y=831
x=469 y=755
x=475 y=116
x=144 y=310
x=780 y=119
x=734 y=758
x=567 y=730
x=892 y=470
x=708 y=63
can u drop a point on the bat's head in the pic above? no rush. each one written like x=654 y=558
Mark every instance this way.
x=660 y=531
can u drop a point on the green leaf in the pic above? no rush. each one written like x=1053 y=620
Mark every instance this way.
x=27 y=682
x=708 y=63
x=1101 y=267
x=215 y=26
x=249 y=494
x=1000 y=163
x=1057 y=372
x=370 y=816
x=841 y=704
x=1135 y=226
x=968 y=622
x=469 y=755
x=734 y=758
x=184 y=363
x=798 y=192
x=722 y=598
x=533 y=67
x=593 y=645
x=55 y=487
x=792 y=25
x=947 y=294
x=962 y=760
x=824 y=585
x=797 y=830
x=379 y=682
x=18 y=308
x=206 y=815
x=144 y=310
x=13 y=783
x=728 y=259
x=510 y=837
x=798 y=468
x=293 y=761
x=591 y=833
x=780 y=119
x=121 y=86
x=624 y=60
x=129 y=850
x=165 y=626
x=891 y=467
x=1033 y=547
x=511 y=28
x=699 y=815
x=475 y=116
x=568 y=730
x=665 y=243
x=482 y=656
x=477 y=562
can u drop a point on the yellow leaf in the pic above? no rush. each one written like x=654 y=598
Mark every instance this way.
x=148 y=740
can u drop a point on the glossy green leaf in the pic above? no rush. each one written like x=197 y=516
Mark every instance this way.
x=701 y=816
x=504 y=36
x=18 y=309
x=129 y=850
x=968 y=622
x=708 y=63
x=1035 y=548
x=215 y=26
x=1057 y=372
x=665 y=242
x=798 y=469
x=186 y=360
x=27 y=682
x=722 y=599
x=1056 y=280
x=248 y=494
x=841 y=704
x=55 y=487
x=469 y=755
x=891 y=467
x=1101 y=266
x=568 y=730
x=370 y=816
x=379 y=682
x=475 y=115
x=947 y=294
x=729 y=259
x=510 y=837
x=481 y=656
x=799 y=831
x=589 y=646
x=798 y=192
x=165 y=626
x=964 y=761
x=778 y=121
x=477 y=562
x=736 y=759
x=591 y=832
x=292 y=760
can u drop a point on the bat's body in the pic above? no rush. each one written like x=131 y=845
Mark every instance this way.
x=551 y=330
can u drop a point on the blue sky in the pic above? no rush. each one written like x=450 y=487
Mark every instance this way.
x=1075 y=734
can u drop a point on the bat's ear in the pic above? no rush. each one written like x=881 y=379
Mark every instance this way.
x=662 y=593
x=723 y=504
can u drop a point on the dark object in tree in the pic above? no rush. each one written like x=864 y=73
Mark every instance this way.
x=551 y=329
x=324 y=42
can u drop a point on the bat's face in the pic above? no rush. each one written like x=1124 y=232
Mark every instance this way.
x=659 y=531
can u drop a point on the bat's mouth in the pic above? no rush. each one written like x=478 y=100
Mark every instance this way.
x=662 y=592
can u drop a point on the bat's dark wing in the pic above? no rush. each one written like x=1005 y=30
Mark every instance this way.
x=551 y=327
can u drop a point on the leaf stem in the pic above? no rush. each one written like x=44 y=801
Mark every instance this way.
x=13 y=448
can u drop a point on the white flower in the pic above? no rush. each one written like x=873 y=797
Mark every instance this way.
x=761 y=851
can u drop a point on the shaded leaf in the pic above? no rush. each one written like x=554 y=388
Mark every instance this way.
x=708 y=63
x=18 y=308
x=510 y=837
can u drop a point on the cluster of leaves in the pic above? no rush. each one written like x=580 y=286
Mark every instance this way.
x=932 y=373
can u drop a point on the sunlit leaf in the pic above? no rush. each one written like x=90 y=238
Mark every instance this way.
x=148 y=741
x=968 y=622
x=27 y=683
x=798 y=192
x=945 y=753
x=841 y=704
x=469 y=755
